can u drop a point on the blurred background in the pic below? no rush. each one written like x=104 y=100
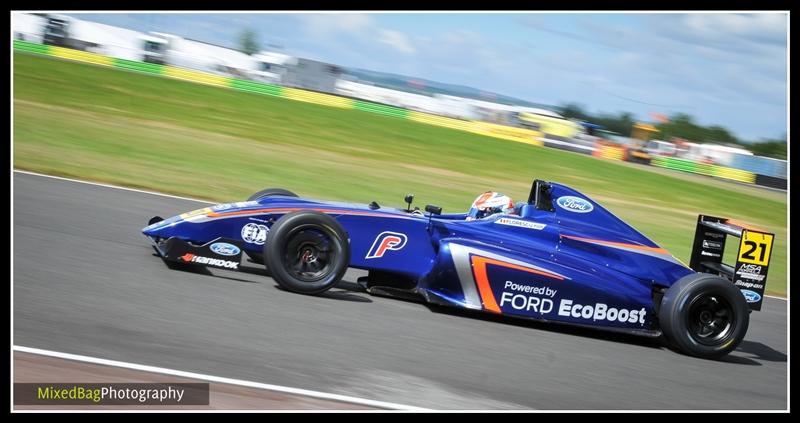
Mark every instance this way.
x=244 y=49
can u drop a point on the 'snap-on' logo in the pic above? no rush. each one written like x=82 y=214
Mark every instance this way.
x=387 y=241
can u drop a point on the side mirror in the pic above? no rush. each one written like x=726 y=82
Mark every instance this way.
x=430 y=208
x=409 y=198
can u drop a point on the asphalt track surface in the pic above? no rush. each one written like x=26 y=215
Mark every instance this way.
x=86 y=282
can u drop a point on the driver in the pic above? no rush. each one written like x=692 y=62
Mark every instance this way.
x=490 y=203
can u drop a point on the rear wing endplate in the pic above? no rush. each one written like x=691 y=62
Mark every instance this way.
x=749 y=273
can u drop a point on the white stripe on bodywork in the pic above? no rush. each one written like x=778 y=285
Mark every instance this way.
x=463 y=267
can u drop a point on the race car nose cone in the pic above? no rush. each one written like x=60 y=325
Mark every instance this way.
x=159 y=227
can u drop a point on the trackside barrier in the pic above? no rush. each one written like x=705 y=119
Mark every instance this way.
x=380 y=109
x=81 y=56
x=464 y=125
x=734 y=174
x=760 y=165
x=704 y=169
x=31 y=47
x=195 y=76
x=552 y=126
x=673 y=163
x=610 y=152
x=139 y=66
x=771 y=181
x=317 y=98
x=256 y=87
x=510 y=133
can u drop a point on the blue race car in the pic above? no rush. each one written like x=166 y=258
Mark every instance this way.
x=558 y=257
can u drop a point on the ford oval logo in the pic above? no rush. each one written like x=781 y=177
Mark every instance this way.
x=751 y=296
x=225 y=249
x=574 y=204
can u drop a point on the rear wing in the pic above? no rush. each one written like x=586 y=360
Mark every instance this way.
x=749 y=273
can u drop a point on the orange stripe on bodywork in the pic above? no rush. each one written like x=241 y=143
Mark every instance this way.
x=619 y=244
x=482 y=279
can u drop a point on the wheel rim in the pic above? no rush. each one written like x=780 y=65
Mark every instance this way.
x=310 y=253
x=710 y=319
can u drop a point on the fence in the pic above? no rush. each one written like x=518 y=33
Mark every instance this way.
x=761 y=165
x=704 y=169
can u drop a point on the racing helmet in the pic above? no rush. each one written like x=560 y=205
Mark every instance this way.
x=490 y=203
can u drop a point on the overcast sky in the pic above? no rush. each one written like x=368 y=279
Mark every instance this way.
x=724 y=69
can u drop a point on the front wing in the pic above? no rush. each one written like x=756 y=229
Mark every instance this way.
x=221 y=253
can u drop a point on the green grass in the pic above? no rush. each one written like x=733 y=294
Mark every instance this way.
x=101 y=124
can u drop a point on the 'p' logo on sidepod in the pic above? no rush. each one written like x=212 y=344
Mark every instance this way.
x=387 y=241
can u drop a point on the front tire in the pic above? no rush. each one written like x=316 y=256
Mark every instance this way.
x=704 y=315
x=264 y=193
x=307 y=252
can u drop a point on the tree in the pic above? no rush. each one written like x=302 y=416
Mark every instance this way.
x=576 y=111
x=717 y=133
x=248 y=42
x=621 y=124
x=770 y=148
x=680 y=125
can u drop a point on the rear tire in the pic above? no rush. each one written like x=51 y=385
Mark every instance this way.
x=307 y=252
x=264 y=193
x=704 y=315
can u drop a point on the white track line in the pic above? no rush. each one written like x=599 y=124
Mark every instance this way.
x=170 y=196
x=218 y=379
x=112 y=186
x=776 y=298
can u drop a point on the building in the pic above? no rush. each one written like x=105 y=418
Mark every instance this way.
x=397 y=98
x=552 y=124
x=198 y=55
x=65 y=31
x=311 y=75
x=29 y=27
x=271 y=67
x=714 y=153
